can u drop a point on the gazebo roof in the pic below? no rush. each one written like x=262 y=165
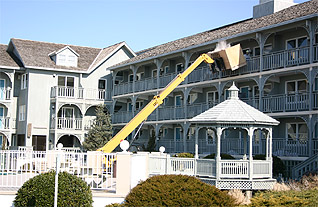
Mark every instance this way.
x=234 y=111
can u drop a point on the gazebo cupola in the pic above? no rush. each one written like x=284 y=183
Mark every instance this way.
x=234 y=114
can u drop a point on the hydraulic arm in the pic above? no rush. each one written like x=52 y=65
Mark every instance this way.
x=229 y=58
x=152 y=105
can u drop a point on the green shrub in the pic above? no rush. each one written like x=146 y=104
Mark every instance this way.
x=39 y=191
x=184 y=155
x=176 y=190
x=286 y=198
x=278 y=165
x=223 y=156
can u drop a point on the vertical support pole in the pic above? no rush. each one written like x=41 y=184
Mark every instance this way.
x=218 y=152
x=196 y=146
x=57 y=169
x=250 y=134
x=270 y=134
x=123 y=173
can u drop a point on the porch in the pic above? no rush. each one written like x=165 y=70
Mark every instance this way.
x=80 y=93
x=271 y=61
x=270 y=104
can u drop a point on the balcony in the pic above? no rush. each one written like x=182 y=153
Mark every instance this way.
x=287 y=102
x=280 y=147
x=271 y=104
x=67 y=123
x=4 y=123
x=5 y=94
x=80 y=93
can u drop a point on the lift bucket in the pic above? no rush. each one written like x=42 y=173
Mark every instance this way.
x=229 y=58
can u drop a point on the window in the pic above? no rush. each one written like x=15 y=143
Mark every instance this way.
x=244 y=92
x=139 y=76
x=166 y=69
x=191 y=133
x=65 y=81
x=2 y=89
x=102 y=84
x=179 y=67
x=1 y=140
x=316 y=84
x=129 y=106
x=299 y=86
x=178 y=133
x=257 y=51
x=138 y=105
x=22 y=113
x=154 y=73
x=24 y=81
x=2 y=121
x=131 y=78
x=297 y=132
x=178 y=101
x=67 y=112
x=192 y=98
x=267 y=49
x=212 y=98
x=210 y=136
x=316 y=38
x=295 y=43
x=61 y=59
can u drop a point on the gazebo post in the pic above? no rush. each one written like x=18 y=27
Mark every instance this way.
x=270 y=134
x=218 y=152
x=250 y=134
x=196 y=147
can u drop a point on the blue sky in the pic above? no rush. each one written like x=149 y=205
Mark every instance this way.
x=101 y=23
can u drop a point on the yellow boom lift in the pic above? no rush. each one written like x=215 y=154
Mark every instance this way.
x=229 y=58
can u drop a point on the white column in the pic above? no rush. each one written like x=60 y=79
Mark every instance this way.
x=250 y=134
x=218 y=152
x=196 y=146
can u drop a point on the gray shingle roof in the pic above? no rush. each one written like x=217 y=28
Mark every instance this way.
x=299 y=10
x=104 y=53
x=36 y=54
x=234 y=111
x=5 y=59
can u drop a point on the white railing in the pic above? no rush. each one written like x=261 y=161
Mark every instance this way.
x=5 y=93
x=234 y=169
x=69 y=123
x=80 y=93
x=96 y=168
x=164 y=164
x=5 y=123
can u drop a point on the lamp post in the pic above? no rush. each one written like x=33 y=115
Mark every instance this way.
x=57 y=169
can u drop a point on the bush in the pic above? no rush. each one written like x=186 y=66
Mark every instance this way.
x=176 y=190
x=223 y=156
x=184 y=155
x=39 y=191
x=286 y=198
x=278 y=165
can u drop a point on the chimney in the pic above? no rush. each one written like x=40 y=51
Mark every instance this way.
x=267 y=7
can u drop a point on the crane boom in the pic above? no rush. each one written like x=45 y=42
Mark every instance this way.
x=229 y=58
x=152 y=105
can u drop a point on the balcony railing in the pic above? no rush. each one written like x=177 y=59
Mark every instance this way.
x=123 y=88
x=5 y=94
x=80 y=93
x=271 y=104
x=69 y=123
x=146 y=84
x=5 y=123
x=287 y=102
x=286 y=58
x=235 y=146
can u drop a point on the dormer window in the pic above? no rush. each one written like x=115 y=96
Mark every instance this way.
x=65 y=57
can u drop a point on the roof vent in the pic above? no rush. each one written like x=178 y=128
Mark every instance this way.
x=267 y=7
x=233 y=92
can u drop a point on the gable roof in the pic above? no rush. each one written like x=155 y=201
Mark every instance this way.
x=293 y=12
x=234 y=111
x=108 y=51
x=5 y=59
x=61 y=50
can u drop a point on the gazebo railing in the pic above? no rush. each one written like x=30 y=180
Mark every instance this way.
x=159 y=165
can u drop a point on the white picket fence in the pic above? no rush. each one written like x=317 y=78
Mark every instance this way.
x=96 y=168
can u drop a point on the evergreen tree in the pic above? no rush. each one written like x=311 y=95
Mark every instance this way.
x=100 y=132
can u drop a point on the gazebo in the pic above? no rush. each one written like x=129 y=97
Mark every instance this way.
x=234 y=114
